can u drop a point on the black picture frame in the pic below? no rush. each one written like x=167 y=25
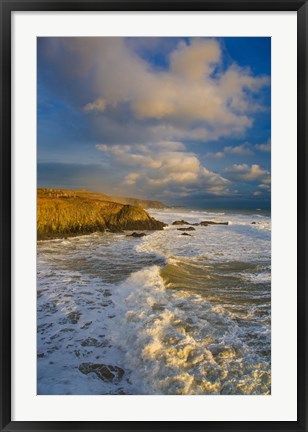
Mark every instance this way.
x=7 y=7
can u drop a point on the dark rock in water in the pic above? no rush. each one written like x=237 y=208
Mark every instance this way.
x=186 y=234
x=181 y=222
x=71 y=318
x=206 y=223
x=187 y=229
x=253 y=223
x=93 y=342
x=134 y=234
x=104 y=372
x=86 y=325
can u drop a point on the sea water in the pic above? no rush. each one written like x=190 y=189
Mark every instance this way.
x=163 y=314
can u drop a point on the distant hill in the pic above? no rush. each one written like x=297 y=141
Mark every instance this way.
x=63 y=213
x=146 y=204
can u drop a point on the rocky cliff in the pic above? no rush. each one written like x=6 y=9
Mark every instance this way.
x=62 y=213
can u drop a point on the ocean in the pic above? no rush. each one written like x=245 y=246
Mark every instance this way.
x=165 y=314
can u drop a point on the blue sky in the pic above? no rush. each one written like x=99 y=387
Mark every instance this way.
x=182 y=120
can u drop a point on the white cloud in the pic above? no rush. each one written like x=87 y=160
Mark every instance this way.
x=131 y=178
x=157 y=169
x=195 y=61
x=248 y=173
x=265 y=187
x=186 y=97
x=241 y=150
x=265 y=147
x=245 y=149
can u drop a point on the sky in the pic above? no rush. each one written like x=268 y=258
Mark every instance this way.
x=186 y=121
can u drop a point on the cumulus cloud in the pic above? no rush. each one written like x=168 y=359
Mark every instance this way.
x=245 y=149
x=186 y=95
x=265 y=147
x=178 y=172
x=242 y=150
x=195 y=61
x=248 y=173
x=131 y=178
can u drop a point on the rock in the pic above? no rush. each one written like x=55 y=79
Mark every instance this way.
x=134 y=234
x=86 y=325
x=71 y=318
x=186 y=234
x=93 y=342
x=206 y=223
x=134 y=218
x=181 y=222
x=187 y=229
x=104 y=372
x=253 y=223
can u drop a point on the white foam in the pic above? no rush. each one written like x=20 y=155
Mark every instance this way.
x=177 y=343
x=240 y=240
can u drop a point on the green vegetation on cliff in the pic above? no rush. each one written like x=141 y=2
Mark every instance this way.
x=67 y=213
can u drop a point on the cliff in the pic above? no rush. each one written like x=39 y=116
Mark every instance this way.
x=63 y=213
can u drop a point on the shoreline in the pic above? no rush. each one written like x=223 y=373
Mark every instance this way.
x=61 y=215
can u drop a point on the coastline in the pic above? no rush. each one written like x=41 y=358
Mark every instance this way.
x=62 y=214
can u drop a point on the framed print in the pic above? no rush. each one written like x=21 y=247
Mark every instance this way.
x=153 y=215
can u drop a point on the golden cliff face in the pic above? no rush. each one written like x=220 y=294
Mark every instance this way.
x=62 y=213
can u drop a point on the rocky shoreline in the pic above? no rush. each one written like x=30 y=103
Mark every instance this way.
x=202 y=223
x=62 y=214
x=71 y=214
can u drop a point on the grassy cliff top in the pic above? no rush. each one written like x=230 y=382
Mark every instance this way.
x=63 y=193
